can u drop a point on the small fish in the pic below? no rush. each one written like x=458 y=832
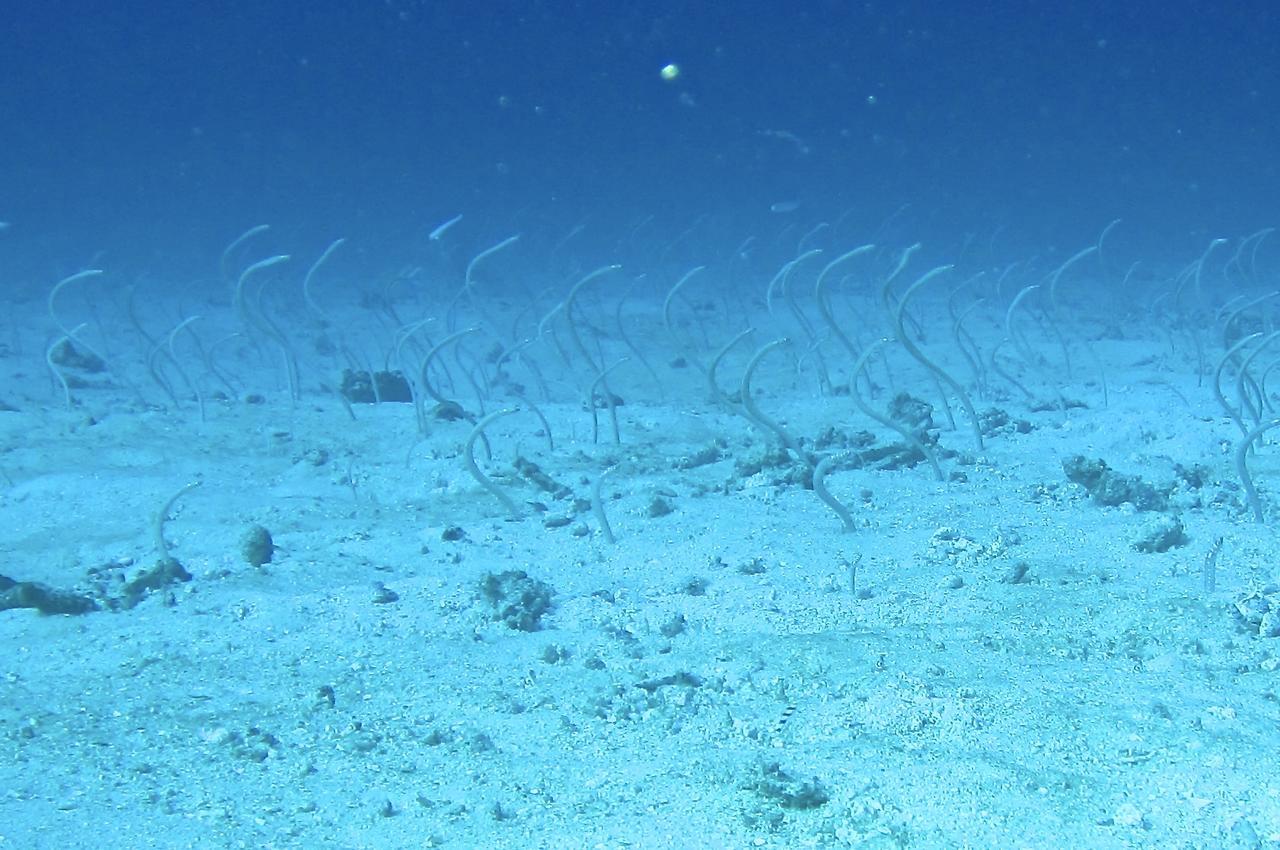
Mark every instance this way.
x=784 y=207
x=439 y=232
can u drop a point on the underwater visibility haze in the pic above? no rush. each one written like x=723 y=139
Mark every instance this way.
x=663 y=425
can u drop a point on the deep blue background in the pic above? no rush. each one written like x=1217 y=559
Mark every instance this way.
x=158 y=131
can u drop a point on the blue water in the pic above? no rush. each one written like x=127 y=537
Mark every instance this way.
x=157 y=129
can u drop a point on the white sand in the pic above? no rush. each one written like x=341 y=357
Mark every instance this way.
x=1105 y=701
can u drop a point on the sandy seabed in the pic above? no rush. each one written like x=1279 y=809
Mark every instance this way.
x=1004 y=658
